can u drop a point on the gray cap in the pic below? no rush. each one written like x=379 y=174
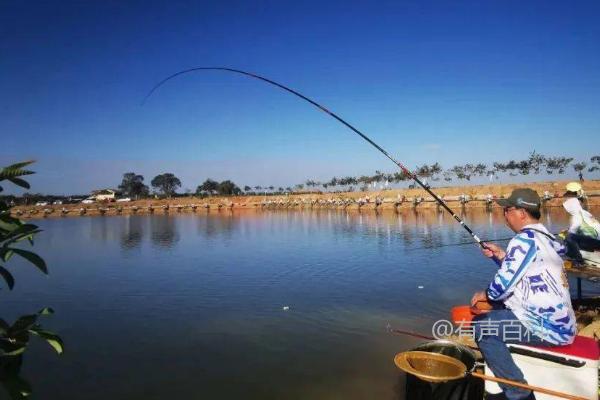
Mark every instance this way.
x=522 y=198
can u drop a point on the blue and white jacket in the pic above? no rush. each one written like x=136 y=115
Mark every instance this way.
x=532 y=284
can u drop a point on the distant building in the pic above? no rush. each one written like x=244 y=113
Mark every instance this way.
x=104 y=195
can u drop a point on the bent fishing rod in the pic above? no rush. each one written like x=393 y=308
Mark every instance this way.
x=403 y=168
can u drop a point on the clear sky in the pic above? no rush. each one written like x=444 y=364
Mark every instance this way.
x=443 y=81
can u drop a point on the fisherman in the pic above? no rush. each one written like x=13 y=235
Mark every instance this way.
x=583 y=233
x=529 y=293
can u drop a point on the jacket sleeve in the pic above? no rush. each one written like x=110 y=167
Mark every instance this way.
x=519 y=254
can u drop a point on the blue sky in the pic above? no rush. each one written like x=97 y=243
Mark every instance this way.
x=452 y=82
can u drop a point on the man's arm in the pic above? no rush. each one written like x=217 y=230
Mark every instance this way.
x=520 y=252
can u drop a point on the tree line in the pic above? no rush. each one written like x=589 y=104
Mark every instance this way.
x=167 y=183
x=534 y=164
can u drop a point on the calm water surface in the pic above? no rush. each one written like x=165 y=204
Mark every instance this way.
x=191 y=306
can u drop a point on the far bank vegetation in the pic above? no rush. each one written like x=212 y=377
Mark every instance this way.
x=167 y=185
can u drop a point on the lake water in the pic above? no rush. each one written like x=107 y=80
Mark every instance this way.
x=192 y=306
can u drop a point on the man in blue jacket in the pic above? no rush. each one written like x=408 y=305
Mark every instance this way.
x=529 y=292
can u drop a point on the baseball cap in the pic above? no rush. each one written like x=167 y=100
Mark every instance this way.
x=522 y=198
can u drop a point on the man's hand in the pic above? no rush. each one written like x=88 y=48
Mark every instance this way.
x=477 y=297
x=490 y=250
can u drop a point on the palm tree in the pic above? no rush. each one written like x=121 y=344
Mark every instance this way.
x=557 y=164
x=596 y=160
x=536 y=162
x=579 y=167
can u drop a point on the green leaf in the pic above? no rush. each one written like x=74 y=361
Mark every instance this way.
x=32 y=258
x=8 y=223
x=6 y=253
x=23 y=232
x=10 y=173
x=5 y=215
x=46 y=311
x=53 y=339
x=20 y=164
x=15 y=170
x=20 y=182
x=24 y=323
x=15 y=352
x=23 y=236
x=20 y=228
x=10 y=281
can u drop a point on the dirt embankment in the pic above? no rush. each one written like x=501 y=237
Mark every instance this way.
x=456 y=197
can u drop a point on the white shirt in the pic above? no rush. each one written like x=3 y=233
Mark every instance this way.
x=582 y=222
x=531 y=283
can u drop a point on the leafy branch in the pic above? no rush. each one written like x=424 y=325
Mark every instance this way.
x=14 y=338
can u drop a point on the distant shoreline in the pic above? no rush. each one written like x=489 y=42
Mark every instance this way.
x=457 y=197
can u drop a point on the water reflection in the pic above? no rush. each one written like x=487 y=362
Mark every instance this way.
x=220 y=225
x=163 y=231
x=132 y=232
x=99 y=228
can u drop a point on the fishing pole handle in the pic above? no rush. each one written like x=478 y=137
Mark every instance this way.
x=527 y=387
x=483 y=245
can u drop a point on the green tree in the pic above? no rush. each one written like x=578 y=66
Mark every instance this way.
x=208 y=186
x=132 y=185
x=167 y=183
x=228 y=188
